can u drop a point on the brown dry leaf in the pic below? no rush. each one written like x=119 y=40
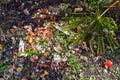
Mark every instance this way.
x=34 y=58
x=78 y=28
x=45 y=33
x=44 y=65
x=12 y=30
x=17 y=1
x=21 y=7
x=44 y=11
x=52 y=18
x=24 y=78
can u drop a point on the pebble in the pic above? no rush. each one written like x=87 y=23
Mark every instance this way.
x=56 y=58
x=57 y=50
x=78 y=9
x=26 y=12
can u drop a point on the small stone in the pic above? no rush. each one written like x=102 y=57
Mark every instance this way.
x=57 y=50
x=59 y=28
x=78 y=9
x=26 y=12
x=43 y=51
x=84 y=58
x=10 y=70
x=57 y=58
x=38 y=47
x=42 y=16
x=28 y=27
x=17 y=73
x=21 y=65
x=105 y=70
x=64 y=59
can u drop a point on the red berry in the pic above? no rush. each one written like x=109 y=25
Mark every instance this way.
x=108 y=64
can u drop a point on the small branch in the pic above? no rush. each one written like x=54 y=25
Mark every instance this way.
x=108 y=9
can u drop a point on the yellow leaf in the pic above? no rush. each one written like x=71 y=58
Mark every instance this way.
x=31 y=33
x=45 y=54
x=46 y=73
x=30 y=40
x=1 y=46
x=19 y=69
x=24 y=78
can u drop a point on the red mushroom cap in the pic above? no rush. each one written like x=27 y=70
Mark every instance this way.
x=108 y=64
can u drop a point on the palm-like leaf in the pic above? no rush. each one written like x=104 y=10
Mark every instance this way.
x=101 y=28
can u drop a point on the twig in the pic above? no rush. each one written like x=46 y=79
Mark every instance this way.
x=108 y=9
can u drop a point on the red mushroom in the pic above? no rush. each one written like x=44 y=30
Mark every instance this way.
x=108 y=64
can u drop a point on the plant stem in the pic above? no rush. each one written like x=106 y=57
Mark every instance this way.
x=108 y=9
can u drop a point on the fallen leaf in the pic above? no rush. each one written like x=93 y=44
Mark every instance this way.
x=17 y=1
x=44 y=65
x=46 y=73
x=44 y=11
x=30 y=39
x=24 y=78
x=45 y=54
x=19 y=69
x=1 y=47
x=31 y=33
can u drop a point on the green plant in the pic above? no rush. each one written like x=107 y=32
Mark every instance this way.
x=92 y=69
x=76 y=67
x=95 y=28
x=115 y=73
x=3 y=67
